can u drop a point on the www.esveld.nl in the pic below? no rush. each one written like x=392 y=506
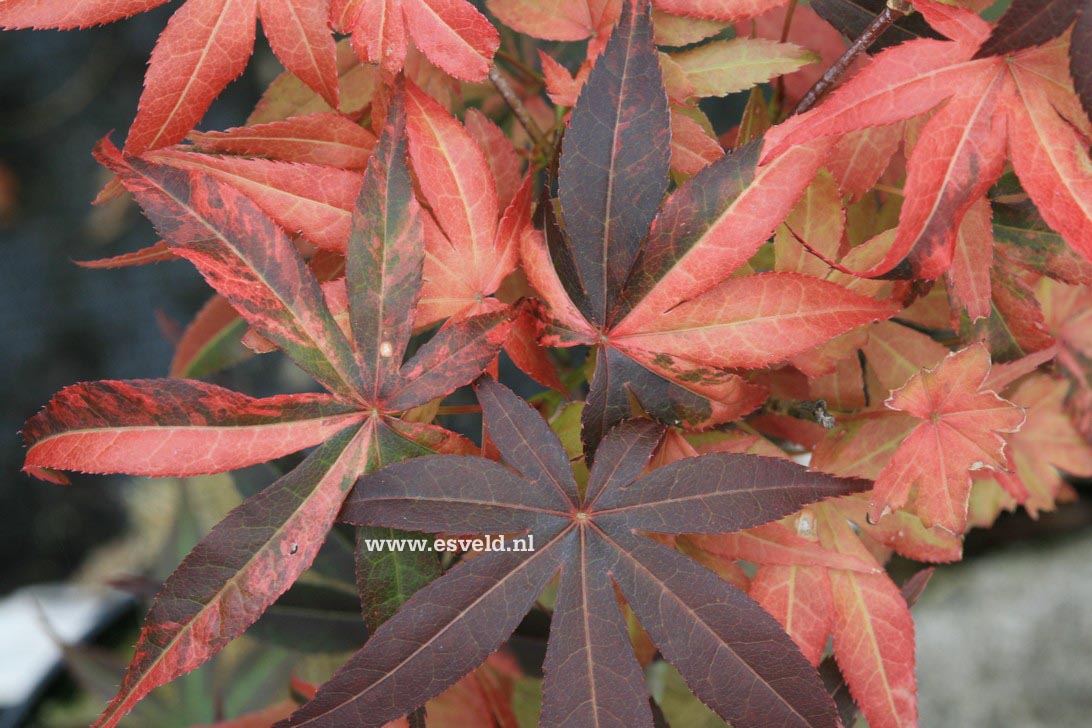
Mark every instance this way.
x=479 y=543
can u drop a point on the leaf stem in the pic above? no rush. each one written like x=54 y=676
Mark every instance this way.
x=458 y=409
x=517 y=63
x=889 y=189
x=516 y=105
x=895 y=10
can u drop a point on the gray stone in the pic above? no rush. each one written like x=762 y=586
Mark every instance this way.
x=1006 y=640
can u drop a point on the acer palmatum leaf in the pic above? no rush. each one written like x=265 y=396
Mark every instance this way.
x=205 y=46
x=471 y=247
x=1022 y=106
x=606 y=213
x=649 y=284
x=1014 y=325
x=873 y=632
x=211 y=342
x=732 y=654
x=1029 y=23
x=175 y=427
x=184 y=427
x=829 y=584
x=322 y=138
x=451 y=33
x=726 y=10
x=247 y=258
x=960 y=430
x=156 y=253
x=550 y=20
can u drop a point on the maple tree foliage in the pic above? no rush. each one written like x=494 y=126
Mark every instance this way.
x=894 y=284
x=1021 y=107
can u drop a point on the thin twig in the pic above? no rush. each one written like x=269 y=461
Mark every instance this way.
x=516 y=105
x=517 y=63
x=458 y=409
x=895 y=10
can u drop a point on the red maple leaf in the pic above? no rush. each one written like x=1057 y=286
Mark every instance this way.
x=960 y=431
x=452 y=33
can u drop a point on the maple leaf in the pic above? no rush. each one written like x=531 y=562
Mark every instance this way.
x=1028 y=23
x=184 y=427
x=556 y=19
x=1066 y=311
x=717 y=68
x=820 y=575
x=725 y=10
x=960 y=431
x=703 y=625
x=211 y=342
x=985 y=109
x=451 y=33
x=650 y=285
x=1024 y=240
x=204 y=47
x=321 y=138
x=471 y=246
x=314 y=200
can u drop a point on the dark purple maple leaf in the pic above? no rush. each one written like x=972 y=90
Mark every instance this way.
x=734 y=656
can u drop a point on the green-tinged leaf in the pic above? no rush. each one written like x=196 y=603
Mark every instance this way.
x=727 y=66
x=212 y=342
x=389 y=574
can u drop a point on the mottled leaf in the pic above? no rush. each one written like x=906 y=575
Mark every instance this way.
x=246 y=562
x=179 y=427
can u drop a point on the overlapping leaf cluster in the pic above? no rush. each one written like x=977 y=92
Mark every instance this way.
x=867 y=284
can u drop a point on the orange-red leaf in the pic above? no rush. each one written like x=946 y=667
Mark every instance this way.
x=205 y=46
x=873 y=633
x=322 y=138
x=299 y=36
x=754 y=321
x=69 y=14
x=302 y=198
x=240 y=568
x=959 y=432
x=454 y=36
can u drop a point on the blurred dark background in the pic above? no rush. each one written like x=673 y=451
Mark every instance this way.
x=60 y=92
